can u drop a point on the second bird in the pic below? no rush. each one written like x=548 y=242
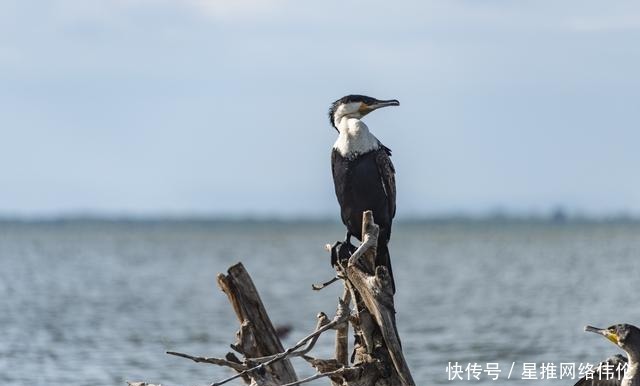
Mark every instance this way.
x=363 y=174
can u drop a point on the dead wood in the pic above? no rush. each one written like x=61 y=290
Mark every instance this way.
x=257 y=336
x=377 y=358
x=372 y=286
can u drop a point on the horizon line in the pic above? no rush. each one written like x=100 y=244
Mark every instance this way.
x=556 y=216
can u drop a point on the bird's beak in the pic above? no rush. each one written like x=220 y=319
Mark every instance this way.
x=611 y=335
x=367 y=108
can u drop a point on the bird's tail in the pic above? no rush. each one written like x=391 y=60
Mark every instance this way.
x=383 y=258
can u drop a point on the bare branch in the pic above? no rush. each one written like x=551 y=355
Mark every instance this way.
x=317 y=376
x=140 y=384
x=322 y=321
x=336 y=321
x=369 y=246
x=213 y=361
x=318 y=287
x=342 y=332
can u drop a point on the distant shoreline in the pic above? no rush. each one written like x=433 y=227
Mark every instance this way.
x=229 y=220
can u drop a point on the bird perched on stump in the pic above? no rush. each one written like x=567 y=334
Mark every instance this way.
x=617 y=370
x=363 y=175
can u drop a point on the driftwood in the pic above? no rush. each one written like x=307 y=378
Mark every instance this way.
x=257 y=336
x=376 y=359
x=371 y=286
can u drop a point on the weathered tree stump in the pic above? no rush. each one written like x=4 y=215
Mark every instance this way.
x=372 y=289
x=257 y=337
x=377 y=358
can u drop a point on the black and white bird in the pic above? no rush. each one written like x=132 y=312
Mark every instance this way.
x=363 y=174
x=617 y=370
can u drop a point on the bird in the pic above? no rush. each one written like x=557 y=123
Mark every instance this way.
x=363 y=174
x=617 y=370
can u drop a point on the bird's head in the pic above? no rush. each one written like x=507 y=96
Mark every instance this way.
x=356 y=106
x=625 y=336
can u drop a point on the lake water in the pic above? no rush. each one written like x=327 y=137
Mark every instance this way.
x=98 y=303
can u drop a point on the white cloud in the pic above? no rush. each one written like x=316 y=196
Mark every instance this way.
x=219 y=10
x=235 y=9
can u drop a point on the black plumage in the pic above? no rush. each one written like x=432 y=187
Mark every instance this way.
x=607 y=373
x=363 y=174
x=617 y=370
x=367 y=182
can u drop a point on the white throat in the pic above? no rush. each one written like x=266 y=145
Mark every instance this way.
x=631 y=376
x=354 y=138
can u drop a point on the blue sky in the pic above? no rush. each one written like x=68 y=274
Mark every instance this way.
x=219 y=107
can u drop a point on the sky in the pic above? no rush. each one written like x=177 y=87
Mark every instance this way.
x=207 y=107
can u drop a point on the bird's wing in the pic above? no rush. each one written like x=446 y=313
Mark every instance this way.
x=388 y=176
x=611 y=375
x=333 y=163
x=338 y=183
x=334 y=160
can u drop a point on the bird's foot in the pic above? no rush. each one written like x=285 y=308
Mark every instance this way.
x=341 y=251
